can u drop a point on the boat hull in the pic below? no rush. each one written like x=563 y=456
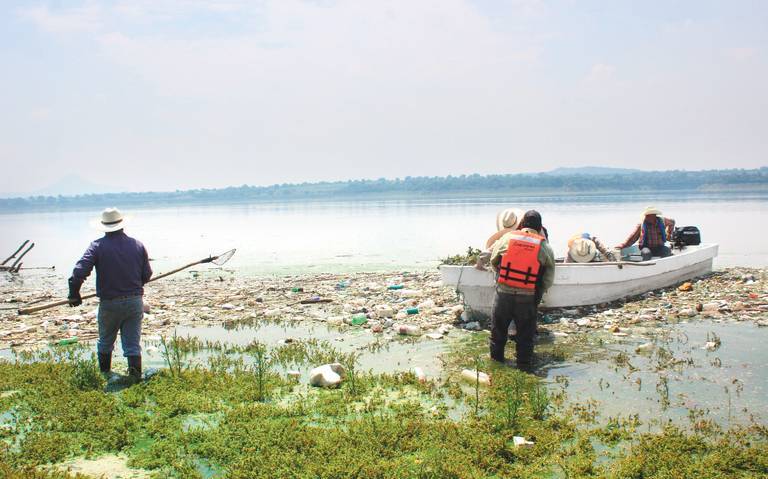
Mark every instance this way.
x=588 y=284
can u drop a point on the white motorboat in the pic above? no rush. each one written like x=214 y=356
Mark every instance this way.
x=581 y=284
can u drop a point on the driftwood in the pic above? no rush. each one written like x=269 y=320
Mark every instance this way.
x=15 y=253
x=16 y=266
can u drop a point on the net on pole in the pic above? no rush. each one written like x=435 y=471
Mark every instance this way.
x=223 y=257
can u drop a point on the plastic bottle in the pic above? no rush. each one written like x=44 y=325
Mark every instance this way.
x=472 y=376
x=297 y=290
x=66 y=341
x=412 y=310
x=342 y=284
x=395 y=286
x=358 y=319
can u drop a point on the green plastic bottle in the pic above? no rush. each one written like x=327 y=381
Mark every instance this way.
x=395 y=286
x=66 y=341
x=412 y=310
x=359 y=319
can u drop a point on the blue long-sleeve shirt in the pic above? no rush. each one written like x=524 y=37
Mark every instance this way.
x=122 y=266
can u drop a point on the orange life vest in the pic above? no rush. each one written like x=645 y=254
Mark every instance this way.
x=519 y=266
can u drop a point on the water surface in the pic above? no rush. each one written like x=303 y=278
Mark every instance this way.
x=380 y=235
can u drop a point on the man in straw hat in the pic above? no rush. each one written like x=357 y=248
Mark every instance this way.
x=122 y=269
x=525 y=269
x=506 y=220
x=585 y=248
x=651 y=234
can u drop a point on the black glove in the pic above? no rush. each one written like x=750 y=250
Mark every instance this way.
x=74 y=293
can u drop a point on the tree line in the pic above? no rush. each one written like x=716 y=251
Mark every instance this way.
x=636 y=182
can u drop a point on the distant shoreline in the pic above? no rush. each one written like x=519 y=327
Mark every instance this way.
x=540 y=185
x=532 y=194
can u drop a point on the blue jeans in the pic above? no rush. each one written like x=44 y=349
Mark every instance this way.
x=124 y=315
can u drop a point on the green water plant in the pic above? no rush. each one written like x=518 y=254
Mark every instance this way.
x=261 y=367
x=86 y=375
x=173 y=352
x=538 y=397
x=467 y=259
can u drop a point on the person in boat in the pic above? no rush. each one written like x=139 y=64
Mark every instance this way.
x=585 y=248
x=525 y=268
x=651 y=234
x=506 y=221
x=122 y=269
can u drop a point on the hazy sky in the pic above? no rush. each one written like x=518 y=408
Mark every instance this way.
x=167 y=94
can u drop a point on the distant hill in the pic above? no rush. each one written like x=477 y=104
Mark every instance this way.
x=70 y=185
x=591 y=171
x=414 y=187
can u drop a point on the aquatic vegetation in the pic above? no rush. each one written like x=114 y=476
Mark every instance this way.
x=86 y=375
x=676 y=454
x=261 y=368
x=237 y=416
x=539 y=399
x=468 y=259
x=173 y=353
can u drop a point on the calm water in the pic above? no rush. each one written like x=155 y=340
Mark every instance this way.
x=378 y=235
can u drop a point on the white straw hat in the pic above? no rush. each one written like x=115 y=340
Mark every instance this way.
x=582 y=250
x=111 y=220
x=651 y=210
x=509 y=218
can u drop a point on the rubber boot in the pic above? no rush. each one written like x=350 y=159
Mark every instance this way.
x=105 y=363
x=134 y=369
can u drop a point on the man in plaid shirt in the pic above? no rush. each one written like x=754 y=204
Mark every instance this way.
x=651 y=235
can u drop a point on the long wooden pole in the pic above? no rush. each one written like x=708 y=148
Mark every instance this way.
x=36 y=309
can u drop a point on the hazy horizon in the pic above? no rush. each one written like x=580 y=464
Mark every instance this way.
x=71 y=185
x=163 y=95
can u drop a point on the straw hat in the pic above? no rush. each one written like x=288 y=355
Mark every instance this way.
x=111 y=220
x=582 y=250
x=651 y=210
x=509 y=218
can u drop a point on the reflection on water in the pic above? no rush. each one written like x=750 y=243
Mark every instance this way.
x=379 y=235
x=676 y=379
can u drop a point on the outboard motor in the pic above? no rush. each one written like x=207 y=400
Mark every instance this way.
x=686 y=236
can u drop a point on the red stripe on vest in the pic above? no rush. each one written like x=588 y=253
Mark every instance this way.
x=519 y=266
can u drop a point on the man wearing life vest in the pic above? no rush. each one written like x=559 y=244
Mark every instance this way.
x=651 y=234
x=525 y=268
